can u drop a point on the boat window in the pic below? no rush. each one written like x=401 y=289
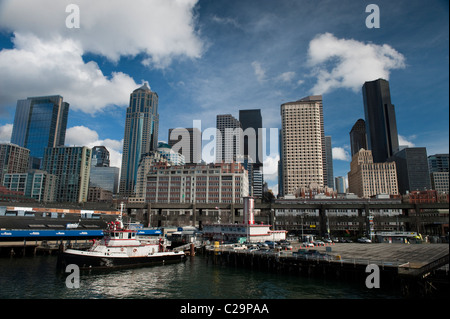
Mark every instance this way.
x=129 y=235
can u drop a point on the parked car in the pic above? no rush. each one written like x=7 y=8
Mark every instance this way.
x=318 y=243
x=307 y=244
x=364 y=240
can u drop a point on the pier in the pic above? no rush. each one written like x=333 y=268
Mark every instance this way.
x=416 y=269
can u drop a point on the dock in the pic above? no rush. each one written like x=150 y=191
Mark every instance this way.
x=415 y=269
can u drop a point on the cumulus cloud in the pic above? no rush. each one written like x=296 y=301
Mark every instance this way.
x=36 y=67
x=161 y=29
x=342 y=63
x=340 y=153
x=84 y=136
x=48 y=57
x=270 y=167
x=403 y=141
x=5 y=133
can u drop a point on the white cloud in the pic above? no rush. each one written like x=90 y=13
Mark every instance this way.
x=270 y=167
x=5 y=133
x=162 y=29
x=47 y=57
x=286 y=76
x=339 y=153
x=403 y=141
x=84 y=136
x=352 y=62
x=260 y=73
x=36 y=67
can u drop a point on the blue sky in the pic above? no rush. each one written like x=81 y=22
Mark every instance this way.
x=209 y=57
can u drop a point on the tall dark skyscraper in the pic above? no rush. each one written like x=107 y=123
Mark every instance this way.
x=252 y=119
x=358 y=137
x=40 y=122
x=141 y=135
x=381 y=126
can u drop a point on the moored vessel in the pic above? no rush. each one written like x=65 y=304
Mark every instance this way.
x=121 y=247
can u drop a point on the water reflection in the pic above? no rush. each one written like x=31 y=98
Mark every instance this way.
x=36 y=277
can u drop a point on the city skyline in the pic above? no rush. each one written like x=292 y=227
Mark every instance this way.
x=225 y=56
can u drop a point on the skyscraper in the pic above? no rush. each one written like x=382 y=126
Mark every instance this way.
x=252 y=119
x=412 y=169
x=40 y=122
x=381 y=125
x=71 y=165
x=228 y=139
x=303 y=153
x=141 y=135
x=358 y=137
x=329 y=181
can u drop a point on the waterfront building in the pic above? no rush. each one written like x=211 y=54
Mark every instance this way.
x=71 y=165
x=303 y=152
x=13 y=159
x=381 y=125
x=36 y=184
x=40 y=122
x=228 y=139
x=358 y=137
x=340 y=184
x=188 y=142
x=339 y=222
x=246 y=230
x=205 y=183
x=367 y=179
x=140 y=136
x=412 y=169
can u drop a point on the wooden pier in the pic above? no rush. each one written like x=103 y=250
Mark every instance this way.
x=417 y=270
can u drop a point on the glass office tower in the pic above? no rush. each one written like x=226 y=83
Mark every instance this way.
x=140 y=137
x=381 y=125
x=40 y=122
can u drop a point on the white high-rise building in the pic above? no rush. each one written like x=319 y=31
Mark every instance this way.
x=303 y=153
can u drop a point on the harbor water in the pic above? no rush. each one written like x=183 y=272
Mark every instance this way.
x=38 y=278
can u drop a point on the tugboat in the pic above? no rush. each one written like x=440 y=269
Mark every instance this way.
x=120 y=248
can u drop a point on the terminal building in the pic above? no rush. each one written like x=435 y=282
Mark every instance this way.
x=246 y=231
